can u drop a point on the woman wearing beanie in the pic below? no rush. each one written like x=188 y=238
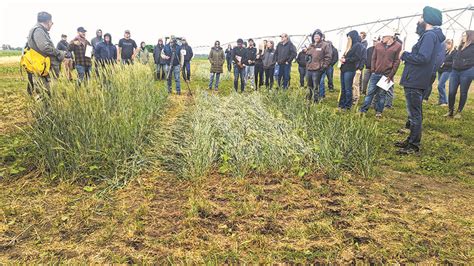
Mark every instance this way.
x=462 y=73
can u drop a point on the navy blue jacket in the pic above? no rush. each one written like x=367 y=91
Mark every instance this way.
x=105 y=52
x=420 y=63
x=168 y=52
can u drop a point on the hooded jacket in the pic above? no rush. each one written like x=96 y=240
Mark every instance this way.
x=319 y=56
x=354 y=57
x=96 y=40
x=216 y=58
x=421 y=61
x=106 y=52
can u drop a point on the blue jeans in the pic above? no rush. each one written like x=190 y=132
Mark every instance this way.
x=328 y=73
x=217 y=75
x=186 y=70
x=442 y=78
x=250 y=75
x=373 y=90
x=83 y=71
x=461 y=79
x=414 y=99
x=284 y=74
x=175 y=73
x=239 y=72
x=345 y=98
x=313 y=78
x=302 y=71
x=389 y=95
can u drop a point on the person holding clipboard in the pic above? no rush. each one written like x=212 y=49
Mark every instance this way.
x=384 y=66
x=82 y=50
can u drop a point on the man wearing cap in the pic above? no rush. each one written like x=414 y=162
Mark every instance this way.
x=239 y=57
x=127 y=49
x=172 y=53
x=384 y=62
x=419 y=64
x=40 y=41
x=78 y=46
x=63 y=45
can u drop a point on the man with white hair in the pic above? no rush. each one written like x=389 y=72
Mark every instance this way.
x=385 y=62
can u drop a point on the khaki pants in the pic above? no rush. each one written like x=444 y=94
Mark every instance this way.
x=356 y=87
x=67 y=64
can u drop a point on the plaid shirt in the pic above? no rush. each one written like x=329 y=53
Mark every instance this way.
x=79 y=53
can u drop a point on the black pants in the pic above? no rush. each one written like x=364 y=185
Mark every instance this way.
x=302 y=71
x=258 y=76
x=269 y=77
x=229 y=65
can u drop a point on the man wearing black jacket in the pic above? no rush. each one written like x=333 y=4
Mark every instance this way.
x=68 y=62
x=159 y=62
x=188 y=55
x=251 y=57
x=239 y=57
x=285 y=53
x=366 y=76
x=301 y=60
x=330 y=70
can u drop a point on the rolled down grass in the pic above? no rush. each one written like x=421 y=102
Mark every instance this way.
x=276 y=132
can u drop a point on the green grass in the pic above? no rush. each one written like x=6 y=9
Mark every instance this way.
x=9 y=53
x=413 y=209
x=96 y=132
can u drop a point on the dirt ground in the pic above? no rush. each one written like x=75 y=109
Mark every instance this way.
x=158 y=218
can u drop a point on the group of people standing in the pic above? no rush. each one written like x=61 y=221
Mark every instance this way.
x=172 y=58
x=81 y=54
x=255 y=67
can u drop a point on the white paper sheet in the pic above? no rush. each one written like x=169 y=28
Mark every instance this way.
x=88 y=51
x=383 y=83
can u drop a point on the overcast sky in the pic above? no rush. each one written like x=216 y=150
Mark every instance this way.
x=203 y=22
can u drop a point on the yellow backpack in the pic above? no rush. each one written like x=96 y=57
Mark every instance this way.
x=34 y=62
